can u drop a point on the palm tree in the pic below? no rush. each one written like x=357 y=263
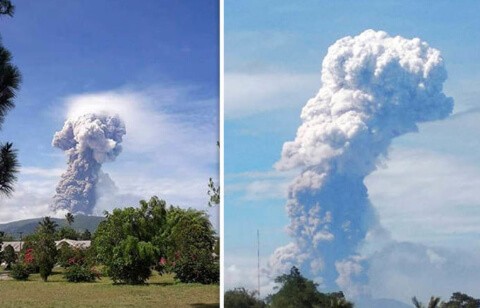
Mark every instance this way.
x=9 y=83
x=47 y=225
x=434 y=301
x=70 y=219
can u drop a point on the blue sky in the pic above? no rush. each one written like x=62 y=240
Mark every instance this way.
x=273 y=56
x=154 y=63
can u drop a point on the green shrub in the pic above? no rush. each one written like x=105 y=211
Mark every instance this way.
x=19 y=272
x=242 y=298
x=80 y=273
x=200 y=268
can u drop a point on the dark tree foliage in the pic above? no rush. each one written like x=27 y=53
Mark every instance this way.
x=19 y=271
x=300 y=292
x=66 y=233
x=242 y=298
x=6 y=8
x=213 y=193
x=8 y=168
x=70 y=218
x=10 y=79
x=9 y=256
x=86 y=236
x=461 y=300
x=47 y=225
x=213 y=190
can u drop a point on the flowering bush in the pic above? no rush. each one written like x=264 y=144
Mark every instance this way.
x=29 y=261
x=28 y=257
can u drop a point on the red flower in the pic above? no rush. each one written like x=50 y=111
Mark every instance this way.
x=28 y=258
x=163 y=261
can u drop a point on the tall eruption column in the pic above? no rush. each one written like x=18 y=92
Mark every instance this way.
x=89 y=141
x=374 y=88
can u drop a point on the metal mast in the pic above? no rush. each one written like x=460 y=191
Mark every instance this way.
x=258 y=261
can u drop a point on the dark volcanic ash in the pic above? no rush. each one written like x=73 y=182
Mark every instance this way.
x=89 y=141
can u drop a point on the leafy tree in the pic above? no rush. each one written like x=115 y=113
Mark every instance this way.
x=131 y=240
x=66 y=232
x=213 y=190
x=86 y=236
x=70 y=218
x=461 y=300
x=65 y=254
x=45 y=250
x=191 y=240
x=213 y=193
x=9 y=256
x=6 y=8
x=298 y=291
x=242 y=298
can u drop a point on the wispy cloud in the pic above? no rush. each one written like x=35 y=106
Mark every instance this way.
x=251 y=93
x=258 y=185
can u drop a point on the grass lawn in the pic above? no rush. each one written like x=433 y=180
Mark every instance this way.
x=161 y=291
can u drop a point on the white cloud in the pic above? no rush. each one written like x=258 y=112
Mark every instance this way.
x=404 y=270
x=242 y=272
x=427 y=197
x=31 y=199
x=169 y=151
x=251 y=93
x=41 y=172
x=259 y=185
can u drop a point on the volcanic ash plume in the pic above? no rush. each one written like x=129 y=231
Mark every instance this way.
x=374 y=88
x=89 y=141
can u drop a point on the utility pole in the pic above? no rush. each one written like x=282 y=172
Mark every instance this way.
x=258 y=261
x=21 y=239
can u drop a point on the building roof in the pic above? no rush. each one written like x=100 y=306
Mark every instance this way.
x=17 y=245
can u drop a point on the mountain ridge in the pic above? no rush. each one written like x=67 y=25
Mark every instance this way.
x=28 y=226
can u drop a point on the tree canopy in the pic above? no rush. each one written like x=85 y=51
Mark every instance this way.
x=133 y=240
x=242 y=298
x=124 y=242
x=300 y=292
x=6 y=8
x=44 y=248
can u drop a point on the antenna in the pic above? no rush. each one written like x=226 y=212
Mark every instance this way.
x=258 y=261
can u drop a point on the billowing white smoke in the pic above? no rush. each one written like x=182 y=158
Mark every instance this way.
x=89 y=141
x=374 y=88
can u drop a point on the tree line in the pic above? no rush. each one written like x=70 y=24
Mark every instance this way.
x=127 y=246
x=296 y=291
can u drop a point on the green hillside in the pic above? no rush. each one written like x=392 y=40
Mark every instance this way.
x=28 y=226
